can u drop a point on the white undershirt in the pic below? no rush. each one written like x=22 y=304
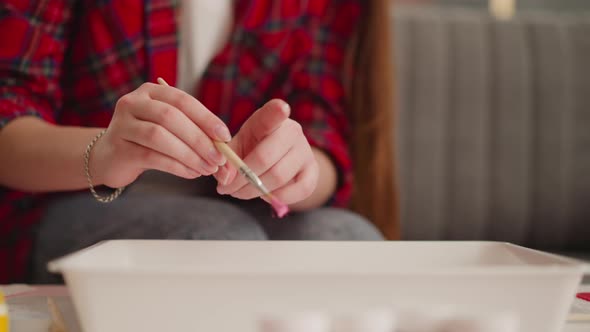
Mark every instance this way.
x=204 y=28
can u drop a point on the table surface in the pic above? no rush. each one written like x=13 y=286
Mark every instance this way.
x=29 y=312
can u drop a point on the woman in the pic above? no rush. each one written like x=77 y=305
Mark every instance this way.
x=71 y=69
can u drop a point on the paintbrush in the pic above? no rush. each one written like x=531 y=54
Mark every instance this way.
x=280 y=208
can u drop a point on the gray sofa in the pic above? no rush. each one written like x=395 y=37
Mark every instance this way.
x=493 y=132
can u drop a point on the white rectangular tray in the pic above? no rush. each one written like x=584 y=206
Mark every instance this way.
x=225 y=285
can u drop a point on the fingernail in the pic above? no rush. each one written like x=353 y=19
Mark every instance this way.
x=286 y=107
x=221 y=176
x=216 y=157
x=226 y=177
x=209 y=169
x=220 y=190
x=222 y=133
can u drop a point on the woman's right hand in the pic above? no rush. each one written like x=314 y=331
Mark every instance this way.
x=162 y=128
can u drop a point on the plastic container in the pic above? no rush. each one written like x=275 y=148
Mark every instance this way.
x=382 y=320
x=298 y=322
x=226 y=285
x=482 y=323
x=424 y=319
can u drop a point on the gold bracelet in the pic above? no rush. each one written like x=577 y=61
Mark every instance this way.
x=102 y=199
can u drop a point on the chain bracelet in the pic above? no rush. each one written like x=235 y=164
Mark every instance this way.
x=102 y=199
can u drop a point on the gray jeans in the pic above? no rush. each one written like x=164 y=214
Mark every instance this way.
x=78 y=221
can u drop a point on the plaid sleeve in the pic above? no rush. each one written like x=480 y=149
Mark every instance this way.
x=31 y=55
x=316 y=85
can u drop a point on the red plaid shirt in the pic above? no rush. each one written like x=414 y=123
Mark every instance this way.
x=68 y=62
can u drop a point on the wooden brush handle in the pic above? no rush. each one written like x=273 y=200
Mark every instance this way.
x=221 y=146
x=231 y=156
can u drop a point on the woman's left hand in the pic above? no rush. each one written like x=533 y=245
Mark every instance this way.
x=274 y=147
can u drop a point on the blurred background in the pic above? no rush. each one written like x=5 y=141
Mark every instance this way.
x=551 y=5
x=493 y=129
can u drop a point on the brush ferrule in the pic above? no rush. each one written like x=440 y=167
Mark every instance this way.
x=254 y=180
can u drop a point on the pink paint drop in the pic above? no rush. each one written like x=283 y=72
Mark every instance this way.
x=281 y=209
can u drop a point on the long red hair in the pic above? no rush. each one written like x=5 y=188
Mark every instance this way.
x=371 y=112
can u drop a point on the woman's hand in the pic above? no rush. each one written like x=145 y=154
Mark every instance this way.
x=162 y=128
x=274 y=147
